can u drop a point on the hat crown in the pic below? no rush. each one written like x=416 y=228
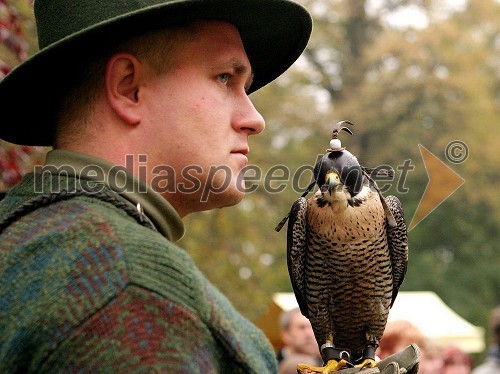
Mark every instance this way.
x=58 y=19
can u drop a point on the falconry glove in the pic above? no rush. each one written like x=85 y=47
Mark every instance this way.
x=403 y=362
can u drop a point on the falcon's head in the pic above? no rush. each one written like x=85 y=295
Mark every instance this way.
x=339 y=177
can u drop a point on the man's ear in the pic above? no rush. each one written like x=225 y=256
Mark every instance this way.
x=124 y=73
x=285 y=337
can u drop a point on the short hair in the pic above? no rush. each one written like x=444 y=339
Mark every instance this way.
x=400 y=333
x=453 y=355
x=495 y=324
x=286 y=318
x=75 y=107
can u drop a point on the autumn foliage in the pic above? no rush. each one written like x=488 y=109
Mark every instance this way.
x=15 y=161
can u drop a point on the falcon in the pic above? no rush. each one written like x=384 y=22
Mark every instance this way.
x=347 y=254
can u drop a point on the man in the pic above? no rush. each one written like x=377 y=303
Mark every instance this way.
x=492 y=363
x=297 y=336
x=146 y=105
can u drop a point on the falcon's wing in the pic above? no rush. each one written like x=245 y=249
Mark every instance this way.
x=296 y=250
x=397 y=239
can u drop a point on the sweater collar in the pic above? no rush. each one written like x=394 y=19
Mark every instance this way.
x=166 y=220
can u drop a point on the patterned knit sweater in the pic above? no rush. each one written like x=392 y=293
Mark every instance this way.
x=85 y=288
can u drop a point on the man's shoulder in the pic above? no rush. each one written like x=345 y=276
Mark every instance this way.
x=60 y=243
x=61 y=262
x=89 y=230
x=79 y=210
x=79 y=232
x=490 y=366
x=52 y=220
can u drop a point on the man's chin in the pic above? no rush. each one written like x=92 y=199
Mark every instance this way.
x=231 y=198
x=216 y=200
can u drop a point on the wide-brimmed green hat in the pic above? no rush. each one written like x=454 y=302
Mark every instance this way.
x=274 y=34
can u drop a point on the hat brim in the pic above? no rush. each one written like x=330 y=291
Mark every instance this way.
x=274 y=34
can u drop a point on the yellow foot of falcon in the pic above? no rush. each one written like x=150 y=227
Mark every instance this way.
x=331 y=367
x=367 y=363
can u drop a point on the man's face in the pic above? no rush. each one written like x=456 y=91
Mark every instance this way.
x=200 y=117
x=299 y=337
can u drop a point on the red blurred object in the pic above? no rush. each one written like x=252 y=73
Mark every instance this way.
x=15 y=161
x=11 y=34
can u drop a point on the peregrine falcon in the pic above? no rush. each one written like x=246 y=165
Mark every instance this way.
x=347 y=253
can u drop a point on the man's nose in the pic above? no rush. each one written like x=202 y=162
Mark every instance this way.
x=248 y=119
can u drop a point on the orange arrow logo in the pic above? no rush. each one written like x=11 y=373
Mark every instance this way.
x=443 y=182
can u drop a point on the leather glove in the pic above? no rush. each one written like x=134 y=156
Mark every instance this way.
x=403 y=362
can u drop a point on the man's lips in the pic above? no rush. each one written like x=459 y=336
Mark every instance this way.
x=243 y=151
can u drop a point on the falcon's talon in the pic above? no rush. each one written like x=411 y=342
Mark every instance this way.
x=367 y=363
x=332 y=366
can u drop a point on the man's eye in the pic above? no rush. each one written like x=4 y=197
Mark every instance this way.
x=223 y=78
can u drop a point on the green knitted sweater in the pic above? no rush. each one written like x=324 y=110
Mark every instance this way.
x=85 y=287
